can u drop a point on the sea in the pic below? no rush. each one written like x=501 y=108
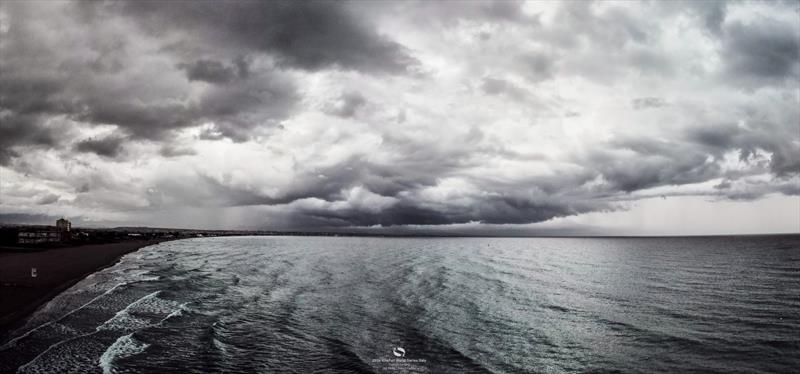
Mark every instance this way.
x=427 y=305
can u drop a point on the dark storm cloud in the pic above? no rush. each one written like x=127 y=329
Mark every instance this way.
x=145 y=120
x=241 y=70
x=393 y=192
x=235 y=108
x=109 y=146
x=493 y=202
x=308 y=35
x=631 y=164
x=329 y=183
x=652 y=164
x=494 y=210
x=762 y=52
x=47 y=199
x=22 y=103
x=212 y=71
x=23 y=130
x=749 y=190
x=326 y=184
x=713 y=13
x=779 y=141
x=264 y=98
x=82 y=74
x=44 y=77
x=324 y=197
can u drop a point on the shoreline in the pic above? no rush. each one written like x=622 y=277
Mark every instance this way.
x=58 y=269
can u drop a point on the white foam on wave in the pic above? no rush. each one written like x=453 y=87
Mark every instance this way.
x=124 y=320
x=152 y=304
x=175 y=313
x=124 y=346
x=14 y=341
x=155 y=305
x=27 y=368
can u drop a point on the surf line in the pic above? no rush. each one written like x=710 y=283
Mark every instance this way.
x=117 y=349
x=97 y=329
x=13 y=342
x=126 y=311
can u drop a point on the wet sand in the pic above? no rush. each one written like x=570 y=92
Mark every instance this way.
x=57 y=269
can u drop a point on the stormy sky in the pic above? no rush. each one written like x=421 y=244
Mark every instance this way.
x=461 y=117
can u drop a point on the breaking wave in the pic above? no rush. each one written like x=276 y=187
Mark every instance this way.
x=125 y=346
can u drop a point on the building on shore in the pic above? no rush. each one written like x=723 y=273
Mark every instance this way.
x=63 y=225
x=61 y=233
x=38 y=236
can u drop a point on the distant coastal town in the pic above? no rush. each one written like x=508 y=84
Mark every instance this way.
x=31 y=237
x=64 y=234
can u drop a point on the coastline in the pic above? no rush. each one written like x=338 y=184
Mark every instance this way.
x=57 y=270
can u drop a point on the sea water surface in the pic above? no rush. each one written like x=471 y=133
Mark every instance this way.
x=435 y=305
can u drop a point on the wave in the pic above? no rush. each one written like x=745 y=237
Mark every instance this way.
x=14 y=341
x=175 y=313
x=149 y=304
x=124 y=346
x=123 y=319
x=307 y=305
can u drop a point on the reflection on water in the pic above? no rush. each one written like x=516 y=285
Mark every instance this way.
x=300 y=304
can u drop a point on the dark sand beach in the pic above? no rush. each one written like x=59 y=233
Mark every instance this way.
x=56 y=270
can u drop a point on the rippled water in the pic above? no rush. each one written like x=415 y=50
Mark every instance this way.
x=455 y=305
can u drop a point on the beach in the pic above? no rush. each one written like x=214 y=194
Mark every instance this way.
x=56 y=270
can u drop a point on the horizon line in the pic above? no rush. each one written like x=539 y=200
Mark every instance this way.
x=269 y=232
